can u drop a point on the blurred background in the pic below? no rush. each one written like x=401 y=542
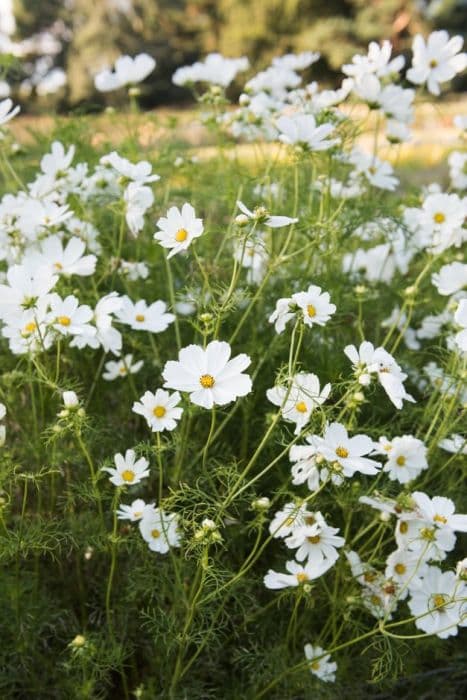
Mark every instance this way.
x=51 y=49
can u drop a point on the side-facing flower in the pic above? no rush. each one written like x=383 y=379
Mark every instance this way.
x=299 y=400
x=160 y=530
x=320 y=664
x=298 y=574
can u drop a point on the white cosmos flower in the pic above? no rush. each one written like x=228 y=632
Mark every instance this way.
x=301 y=130
x=160 y=530
x=138 y=199
x=262 y=216
x=298 y=574
x=121 y=368
x=161 y=409
x=56 y=163
x=378 y=173
x=141 y=317
x=178 y=229
x=436 y=61
x=406 y=458
x=68 y=259
x=337 y=447
x=455 y=443
x=127 y=71
x=315 y=304
x=404 y=567
x=139 y=173
x=378 y=61
x=215 y=69
x=128 y=470
x=299 y=400
x=368 y=360
x=2 y=411
x=451 y=278
x=108 y=337
x=423 y=537
x=460 y=317
x=439 y=511
x=458 y=170
x=69 y=318
x=320 y=664
x=25 y=286
x=440 y=221
x=253 y=257
x=282 y=314
x=439 y=602
x=291 y=516
x=7 y=111
x=208 y=374
x=317 y=542
x=134 y=512
x=305 y=468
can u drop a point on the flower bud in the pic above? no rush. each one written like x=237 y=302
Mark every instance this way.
x=262 y=503
x=241 y=220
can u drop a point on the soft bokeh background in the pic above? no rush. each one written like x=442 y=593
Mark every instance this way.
x=51 y=49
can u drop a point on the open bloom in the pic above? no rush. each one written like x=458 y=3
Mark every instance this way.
x=299 y=400
x=178 y=229
x=320 y=664
x=439 y=602
x=298 y=574
x=134 y=512
x=161 y=409
x=439 y=511
x=128 y=470
x=406 y=457
x=301 y=130
x=143 y=317
x=317 y=541
x=338 y=448
x=437 y=60
x=315 y=304
x=128 y=71
x=451 y=278
x=68 y=259
x=160 y=530
x=67 y=317
x=208 y=374
x=121 y=368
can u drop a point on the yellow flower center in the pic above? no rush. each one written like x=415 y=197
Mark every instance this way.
x=440 y=519
x=400 y=461
x=427 y=533
x=313 y=539
x=206 y=381
x=64 y=320
x=302 y=577
x=159 y=411
x=290 y=521
x=311 y=311
x=433 y=63
x=58 y=266
x=375 y=600
x=403 y=527
x=439 y=601
x=122 y=370
x=29 y=328
x=369 y=576
x=155 y=533
x=128 y=476
x=140 y=318
x=400 y=569
x=439 y=218
x=181 y=235
x=372 y=170
x=342 y=452
x=314 y=665
x=310 y=520
x=301 y=407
